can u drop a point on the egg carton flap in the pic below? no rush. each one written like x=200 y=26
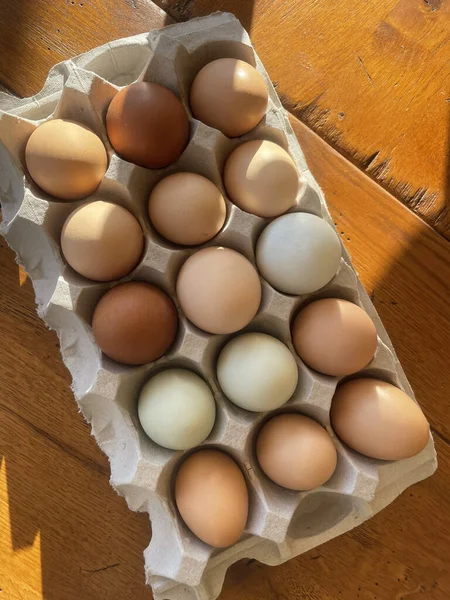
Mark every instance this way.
x=282 y=524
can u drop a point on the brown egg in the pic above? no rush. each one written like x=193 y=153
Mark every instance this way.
x=379 y=420
x=135 y=323
x=187 y=209
x=147 y=125
x=66 y=159
x=261 y=178
x=230 y=95
x=296 y=452
x=219 y=290
x=334 y=336
x=212 y=497
x=102 y=241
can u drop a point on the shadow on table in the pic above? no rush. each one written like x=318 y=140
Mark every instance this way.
x=17 y=15
x=183 y=11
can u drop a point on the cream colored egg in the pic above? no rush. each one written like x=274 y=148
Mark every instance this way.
x=230 y=95
x=257 y=372
x=176 y=409
x=261 y=178
x=102 y=241
x=298 y=253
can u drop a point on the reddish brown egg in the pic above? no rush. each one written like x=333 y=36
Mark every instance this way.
x=147 y=125
x=135 y=323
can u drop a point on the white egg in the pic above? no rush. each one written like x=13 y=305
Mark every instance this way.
x=176 y=409
x=257 y=372
x=298 y=253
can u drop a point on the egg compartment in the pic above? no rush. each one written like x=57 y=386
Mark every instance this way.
x=282 y=524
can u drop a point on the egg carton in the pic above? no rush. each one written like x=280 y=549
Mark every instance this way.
x=282 y=523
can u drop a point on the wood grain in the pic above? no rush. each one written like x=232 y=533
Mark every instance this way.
x=36 y=35
x=65 y=534
x=372 y=78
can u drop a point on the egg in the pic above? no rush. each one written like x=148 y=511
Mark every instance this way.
x=378 y=420
x=135 y=323
x=102 y=241
x=176 y=409
x=296 y=452
x=147 y=125
x=212 y=498
x=257 y=372
x=187 y=209
x=230 y=95
x=261 y=178
x=66 y=159
x=298 y=253
x=334 y=337
x=219 y=290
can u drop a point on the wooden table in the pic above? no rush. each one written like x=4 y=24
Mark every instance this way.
x=368 y=82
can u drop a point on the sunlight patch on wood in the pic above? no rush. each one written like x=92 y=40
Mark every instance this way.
x=25 y=562
x=22 y=276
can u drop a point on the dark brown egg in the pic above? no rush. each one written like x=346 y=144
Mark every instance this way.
x=135 y=323
x=147 y=125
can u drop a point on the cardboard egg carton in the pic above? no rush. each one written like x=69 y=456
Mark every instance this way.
x=281 y=523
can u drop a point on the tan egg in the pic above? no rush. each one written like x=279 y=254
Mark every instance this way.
x=296 y=452
x=187 y=209
x=334 y=336
x=230 y=95
x=379 y=420
x=219 y=290
x=66 y=159
x=212 y=498
x=261 y=178
x=135 y=323
x=102 y=241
